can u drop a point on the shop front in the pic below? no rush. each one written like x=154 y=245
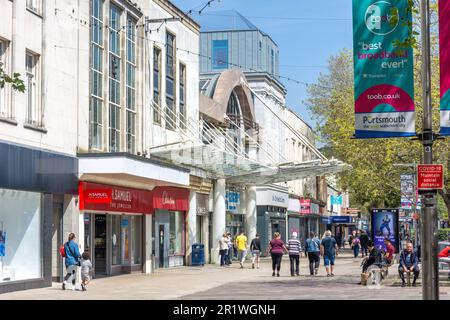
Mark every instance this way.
x=170 y=206
x=271 y=211
x=37 y=189
x=114 y=227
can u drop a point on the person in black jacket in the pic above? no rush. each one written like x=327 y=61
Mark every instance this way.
x=408 y=263
x=255 y=248
x=375 y=256
x=364 y=239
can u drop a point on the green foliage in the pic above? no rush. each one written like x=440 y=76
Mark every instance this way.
x=443 y=234
x=14 y=80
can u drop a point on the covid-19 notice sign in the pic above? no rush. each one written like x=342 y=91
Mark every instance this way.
x=384 y=88
x=444 y=47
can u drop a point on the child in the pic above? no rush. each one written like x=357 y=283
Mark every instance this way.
x=86 y=267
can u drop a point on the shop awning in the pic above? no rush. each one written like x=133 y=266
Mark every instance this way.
x=243 y=171
x=131 y=171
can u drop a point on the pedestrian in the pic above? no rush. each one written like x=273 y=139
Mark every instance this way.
x=339 y=240
x=408 y=263
x=276 y=249
x=295 y=250
x=364 y=238
x=255 y=248
x=241 y=245
x=86 y=268
x=223 y=249
x=328 y=249
x=312 y=249
x=230 y=249
x=72 y=261
x=356 y=244
x=390 y=250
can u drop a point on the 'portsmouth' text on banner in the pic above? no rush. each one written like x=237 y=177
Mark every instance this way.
x=384 y=87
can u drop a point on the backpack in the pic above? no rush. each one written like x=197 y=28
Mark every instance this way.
x=62 y=250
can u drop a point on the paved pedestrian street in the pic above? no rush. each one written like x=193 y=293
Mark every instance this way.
x=233 y=283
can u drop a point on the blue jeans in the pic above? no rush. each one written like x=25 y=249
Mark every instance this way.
x=356 y=251
x=328 y=259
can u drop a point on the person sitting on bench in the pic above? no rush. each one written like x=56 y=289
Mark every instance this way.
x=408 y=263
x=375 y=256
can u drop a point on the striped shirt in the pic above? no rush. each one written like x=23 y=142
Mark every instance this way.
x=295 y=247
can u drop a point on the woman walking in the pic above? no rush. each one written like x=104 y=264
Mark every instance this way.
x=72 y=261
x=276 y=249
x=356 y=244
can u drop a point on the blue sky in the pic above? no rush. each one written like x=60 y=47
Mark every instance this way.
x=321 y=28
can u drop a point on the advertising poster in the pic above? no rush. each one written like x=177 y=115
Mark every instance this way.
x=385 y=225
x=2 y=243
x=444 y=45
x=220 y=54
x=384 y=86
x=407 y=191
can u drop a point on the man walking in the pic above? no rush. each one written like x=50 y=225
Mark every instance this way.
x=230 y=249
x=328 y=249
x=255 y=248
x=295 y=249
x=364 y=238
x=312 y=248
x=241 y=244
x=408 y=263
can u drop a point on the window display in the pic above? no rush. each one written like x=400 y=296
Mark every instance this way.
x=176 y=233
x=20 y=235
x=116 y=239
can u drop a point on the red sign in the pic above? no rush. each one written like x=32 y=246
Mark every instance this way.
x=99 y=197
x=305 y=206
x=430 y=176
x=170 y=198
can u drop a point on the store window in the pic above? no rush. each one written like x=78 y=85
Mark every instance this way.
x=20 y=235
x=116 y=238
x=176 y=233
x=136 y=234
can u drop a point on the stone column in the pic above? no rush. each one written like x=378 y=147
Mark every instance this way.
x=191 y=225
x=250 y=217
x=148 y=265
x=219 y=218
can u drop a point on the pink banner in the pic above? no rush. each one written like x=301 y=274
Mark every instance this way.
x=444 y=43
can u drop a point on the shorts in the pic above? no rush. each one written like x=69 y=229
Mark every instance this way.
x=328 y=259
x=256 y=253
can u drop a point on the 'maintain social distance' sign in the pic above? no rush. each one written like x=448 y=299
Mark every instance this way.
x=384 y=87
x=444 y=45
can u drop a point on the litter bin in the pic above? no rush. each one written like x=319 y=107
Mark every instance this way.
x=198 y=254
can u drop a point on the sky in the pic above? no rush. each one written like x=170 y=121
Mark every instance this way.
x=307 y=33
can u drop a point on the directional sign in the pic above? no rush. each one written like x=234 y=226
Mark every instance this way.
x=430 y=176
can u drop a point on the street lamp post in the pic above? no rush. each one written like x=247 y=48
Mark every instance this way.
x=430 y=276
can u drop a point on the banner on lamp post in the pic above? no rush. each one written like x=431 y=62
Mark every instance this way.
x=384 y=83
x=444 y=45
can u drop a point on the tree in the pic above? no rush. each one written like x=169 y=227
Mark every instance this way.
x=15 y=81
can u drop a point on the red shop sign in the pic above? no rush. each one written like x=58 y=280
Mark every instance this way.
x=100 y=197
x=305 y=206
x=170 y=198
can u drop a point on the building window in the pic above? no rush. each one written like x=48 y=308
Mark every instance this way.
x=272 y=61
x=114 y=79
x=4 y=112
x=170 y=80
x=156 y=85
x=96 y=102
x=34 y=116
x=182 y=96
x=116 y=232
x=176 y=245
x=136 y=234
x=35 y=5
x=131 y=85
